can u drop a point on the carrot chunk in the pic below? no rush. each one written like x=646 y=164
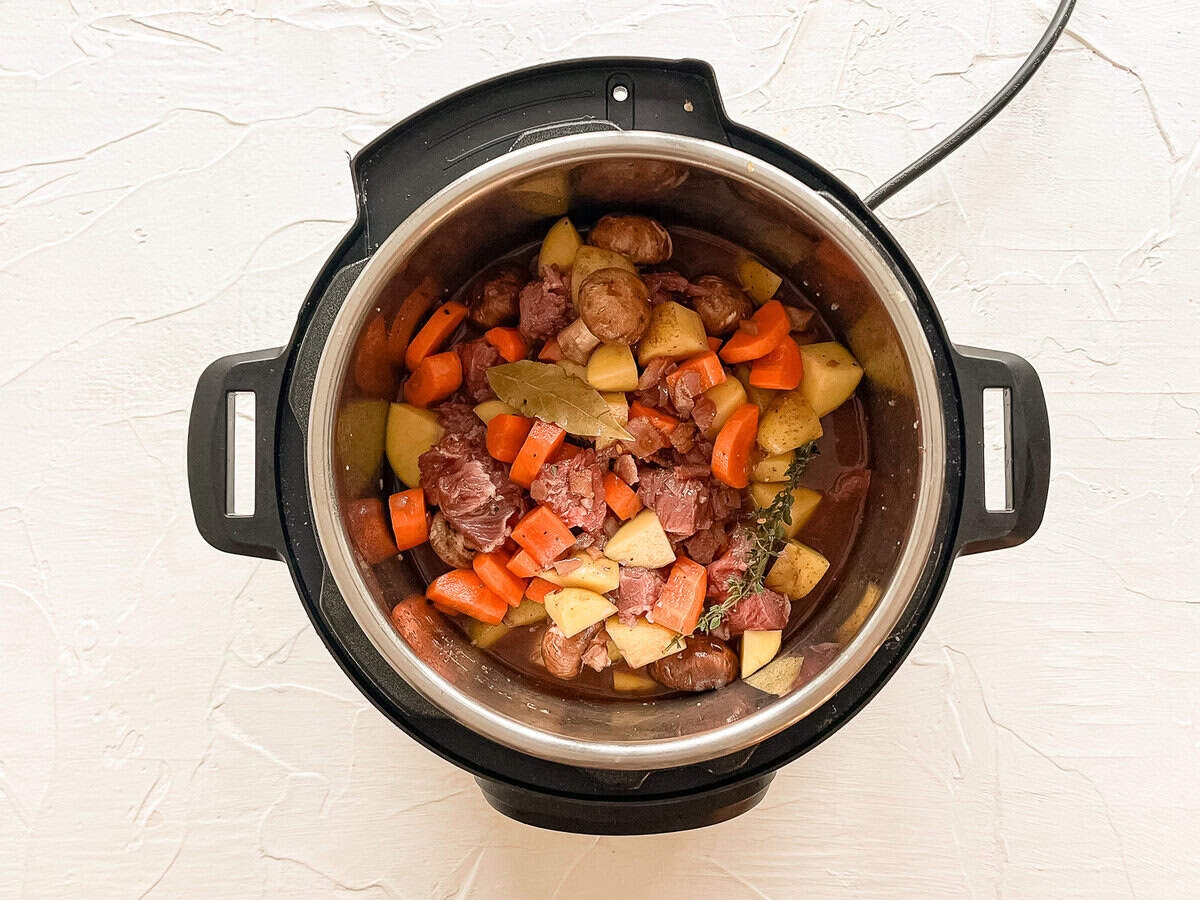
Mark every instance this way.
x=538 y=589
x=706 y=365
x=462 y=591
x=731 y=451
x=493 y=572
x=543 y=535
x=681 y=600
x=551 y=351
x=509 y=342
x=435 y=378
x=434 y=333
x=523 y=565
x=620 y=497
x=758 y=336
x=369 y=530
x=505 y=435
x=781 y=369
x=410 y=524
x=660 y=420
x=538 y=447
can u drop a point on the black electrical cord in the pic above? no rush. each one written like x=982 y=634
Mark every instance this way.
x=964 y=132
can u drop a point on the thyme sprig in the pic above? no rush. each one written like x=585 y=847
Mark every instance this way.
x=765 y=532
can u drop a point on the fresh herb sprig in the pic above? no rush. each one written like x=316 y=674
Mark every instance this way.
x=765 y=532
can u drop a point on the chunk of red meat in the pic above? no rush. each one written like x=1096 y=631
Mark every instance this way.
x=546 y=307
x=684 y=505
x=472 y=490
x=729 y=565
x=626 y=469
x=764 y=611
x=637 y=591
x=704 y=412
x=647 y=440
x=704 y=546
x=684 y=391
x=477 y=357
x=595 y=655
x=665 y=286
x=459 y=418
x=574 y=489
x=683 y=436
x=652 y=386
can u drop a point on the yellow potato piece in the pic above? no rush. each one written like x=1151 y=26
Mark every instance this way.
x=773 y=467
x=726 y=397
x=758 y=649
x=410 y=432
x=778 y=676
x=643 y=642
x=528 y=613
x=830 y=376
x=611 y=368
x=797 y=570
x=675 y=332
x=757 y=280
x=632 y=682
x=559 y=247
x=599 y=575
x=590 y=259
x=788 y=423
x=489 y=409
x=574 y=609
x=804 y=503
x=849 y=628
x=358 y=439
x=482 y=634
x=641 y=542
x=760 y=397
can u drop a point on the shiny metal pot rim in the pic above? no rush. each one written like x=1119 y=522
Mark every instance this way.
x=724 y=739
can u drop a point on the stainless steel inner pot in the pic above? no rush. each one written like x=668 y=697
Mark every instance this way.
x=795 y=230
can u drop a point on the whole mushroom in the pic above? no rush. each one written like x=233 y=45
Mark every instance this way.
x=494 y=298
x=720 y=303
x=640 y=238
x=615 y=306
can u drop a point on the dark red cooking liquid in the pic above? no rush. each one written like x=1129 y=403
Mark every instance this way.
x=839 y=473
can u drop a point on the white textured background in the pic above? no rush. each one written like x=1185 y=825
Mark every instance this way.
x=173 y=174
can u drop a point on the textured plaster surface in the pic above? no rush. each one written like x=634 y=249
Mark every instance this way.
x=172 y=175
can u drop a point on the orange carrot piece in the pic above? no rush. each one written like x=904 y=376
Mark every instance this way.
x=369 y=530
x=410 y=524
x=434 y=379
x=372 y=365
x=538 y=589
x=781 y=369
x=445 y=610
x=539 y=446
x=660 y=420
x=543 y=535
x=566 y=451
x=434 y=333
x=731 y=451
x=523 y=565
x=758 y=336
x=706 y=365
x=412 y=309
x=620 y=497
x=509 y=342
x=714 y=343
x=505 y=435
x=492 y=571
x=462 y=591
x=681 y=600
x=551 y=351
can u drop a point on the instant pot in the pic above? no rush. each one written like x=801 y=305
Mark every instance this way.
x=488 y=170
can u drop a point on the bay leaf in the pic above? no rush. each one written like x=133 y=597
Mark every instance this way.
x=548 y=392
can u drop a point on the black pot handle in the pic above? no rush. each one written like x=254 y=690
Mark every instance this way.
x=1027 y=449
x=209 y=452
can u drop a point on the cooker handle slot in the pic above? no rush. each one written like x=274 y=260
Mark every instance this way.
x=210 y=454
x=1027 y=449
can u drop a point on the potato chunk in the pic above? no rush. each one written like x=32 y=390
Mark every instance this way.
x=641 y=542
x=642 y=642
x=599 y=575
x=773 y=467
x=788 y=423
x=757 y=280
x=489 y=409
x=528 y=613
x=632 y=682
x=482 y=634
x=726 y=397
x=561 y=244
x=410 y=432
x=804 y=503
x=675 y=332
x=830 y=376
x=797 y=570
x=574 y=609
x=611 y=368
x=758 y=649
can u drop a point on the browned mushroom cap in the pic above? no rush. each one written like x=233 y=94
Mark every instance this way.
x=494 y=297
x=563 y=656
x=705 y=663
x=641 y=239
x=614 y=304
x=449 y=544
x=720 y=303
